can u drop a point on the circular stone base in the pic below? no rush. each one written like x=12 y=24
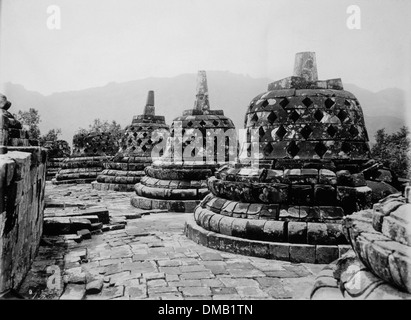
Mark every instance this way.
x=348 y=278
x=270 y=250
x=112 y=186
x=72 y=181
x=170 y=205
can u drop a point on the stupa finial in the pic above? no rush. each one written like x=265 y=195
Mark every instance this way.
x=201 y=102
x=149 y=109
x=305 y=66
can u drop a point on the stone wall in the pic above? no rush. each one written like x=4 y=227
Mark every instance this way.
x=22 y=183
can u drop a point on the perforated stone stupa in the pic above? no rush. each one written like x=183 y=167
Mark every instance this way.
x=57 y=151
x=89 y=154
x=127 y=167
x=177 y=182
x=314 y=161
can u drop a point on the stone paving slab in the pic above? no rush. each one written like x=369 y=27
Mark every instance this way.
x=151 y=258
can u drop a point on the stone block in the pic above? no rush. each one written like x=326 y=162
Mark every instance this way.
x=331 y=213
x=302 y=253
x=255 y=229
x=347 y=198
x=56 y=226
x=326 y=254
x=239 y=228
x=325 y=195
x=84 y=233
x=297 y=232
x=274 y=231
x=279 y=251
x=225 y=226
x=317 y=233
x=242 y=247
x=326 y=176
x=301 y=195
x=214 y=223
x=260 y=249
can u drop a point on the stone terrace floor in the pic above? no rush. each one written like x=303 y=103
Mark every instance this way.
x=152 y=259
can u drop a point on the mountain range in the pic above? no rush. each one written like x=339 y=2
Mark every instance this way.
x=230 y=92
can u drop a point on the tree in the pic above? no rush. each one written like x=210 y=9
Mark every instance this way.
x=100 y=126
x=393 y=150
x=52 y=135
x=31 y=119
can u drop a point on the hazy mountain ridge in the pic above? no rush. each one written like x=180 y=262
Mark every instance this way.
x=229 y=92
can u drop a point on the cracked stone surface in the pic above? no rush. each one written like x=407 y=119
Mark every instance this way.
x=151 y=258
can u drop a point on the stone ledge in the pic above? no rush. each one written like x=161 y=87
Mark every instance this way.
x=263 y=249
x=170 y=194
x=123 y=187
x=178 y=173
x=73 y=181
x=170 y=205
x=308 y=233
x=272 y=211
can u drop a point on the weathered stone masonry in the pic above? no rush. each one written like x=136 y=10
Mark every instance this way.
x=22 y=183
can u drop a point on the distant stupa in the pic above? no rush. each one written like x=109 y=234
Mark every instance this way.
x=127 y=167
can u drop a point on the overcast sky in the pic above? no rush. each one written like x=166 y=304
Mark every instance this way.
x=120 y=40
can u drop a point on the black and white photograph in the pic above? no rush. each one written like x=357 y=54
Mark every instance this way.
x=223 y=151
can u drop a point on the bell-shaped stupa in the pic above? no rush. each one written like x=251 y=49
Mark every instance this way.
x=200 y=141
x=57 y=151
x=305 y=164
x=90 y=152
x=127 y=167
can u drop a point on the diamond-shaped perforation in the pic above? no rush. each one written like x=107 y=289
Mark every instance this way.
x=139 y=141
x=271 y=117
x=346 y=147
x=329 y=103
x=318 y=115
x=353 y=131
x=264 y=104
x=307 y=102
x=294 y=116
x=145 y=134
x=306 y=131
x=261 y=132
x=293 y=149
x=347 y=103
x=149 y=141
x=254 y=118
x=268 y=149
x=202 y=123
x=281 y=132
x=215 y=123
x=144 y=148
x=189 y=124
x=320 y=149
x=342 y=115
x=284 y=102
x=332 y=130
